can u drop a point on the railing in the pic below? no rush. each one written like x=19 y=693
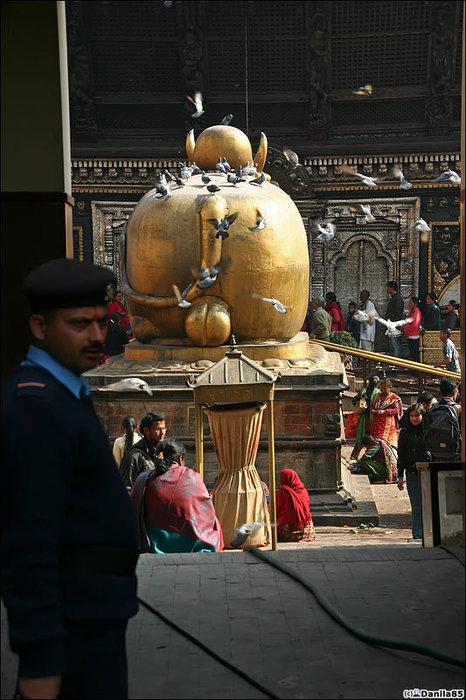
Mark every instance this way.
x=368 y=357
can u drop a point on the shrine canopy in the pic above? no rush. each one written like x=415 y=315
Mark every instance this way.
x=236 y=385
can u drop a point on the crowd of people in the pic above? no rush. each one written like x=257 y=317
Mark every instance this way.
x=393 y=441
x=325 y=316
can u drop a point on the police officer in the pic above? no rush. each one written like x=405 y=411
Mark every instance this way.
x=69 y=548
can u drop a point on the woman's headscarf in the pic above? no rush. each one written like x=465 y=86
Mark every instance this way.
x=293 y=502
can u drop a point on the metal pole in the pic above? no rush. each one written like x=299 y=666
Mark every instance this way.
x=463 y=250
x=273 y=504
x=199 y=440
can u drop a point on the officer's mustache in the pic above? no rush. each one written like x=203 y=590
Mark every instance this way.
x=94 y=346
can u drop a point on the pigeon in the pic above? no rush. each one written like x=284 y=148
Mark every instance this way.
x=197 y=102
x=364 y=209
x=226 y=120
x=258 y=180
x=404 y=181
x=392 y=326
x=195 y=169
x=365 y=90
x=226 y=164
x=448 y=175
x=243 y=532
x=168 y=176
x=181 y=297
x=234 y=178
x=130 y=384
x=185 y=172
x=219 y=167
x=325 y=231
x=420 y=225
x=221 y=225
x=292 y=157
x=369 y=181
x=261 y=223
x=163 y=189
x=208 y=276
x=213 y=189
x=277 y=305
x=205 y=178
x=179 y=181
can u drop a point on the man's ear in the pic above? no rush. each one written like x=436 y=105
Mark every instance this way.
x=38 y=325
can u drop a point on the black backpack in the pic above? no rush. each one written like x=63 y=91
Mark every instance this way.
x=443 y=436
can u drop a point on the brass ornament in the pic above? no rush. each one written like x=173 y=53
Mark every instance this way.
x=208 y=322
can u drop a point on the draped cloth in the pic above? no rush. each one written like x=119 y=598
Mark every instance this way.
x=238 y=494
x=385 y=425
x=177 y=511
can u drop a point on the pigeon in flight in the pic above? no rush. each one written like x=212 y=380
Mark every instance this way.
x=234 y=178
x=208 y=276
x=130 y=384
x=392 y=326
x=277 y=305
x=324 y=232
x=261 y=223
x=197 y=102
x=182 y=296
x=365 y=316
x=258 y=180
x=404 y=179
x=420 y=225
x=243 y=532
x=226 y=120
x=213 y=189
x=448 y=175
x=364 y=209
x=291 y=157
x=221 y=225
x=369 y=181
x=365 y=90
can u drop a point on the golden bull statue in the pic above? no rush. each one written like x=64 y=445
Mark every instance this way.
x=175 y=240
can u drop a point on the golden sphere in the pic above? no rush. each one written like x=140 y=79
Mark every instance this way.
x=222 y=140
x=208 y=322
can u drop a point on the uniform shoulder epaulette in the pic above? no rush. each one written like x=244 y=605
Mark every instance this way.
x=31 y=388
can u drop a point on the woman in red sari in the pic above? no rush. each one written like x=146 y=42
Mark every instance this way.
x=117 y=306
x=294 y=519
x=386 y=410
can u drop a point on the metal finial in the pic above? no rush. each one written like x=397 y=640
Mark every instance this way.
x=233 y=342
x=234 y=352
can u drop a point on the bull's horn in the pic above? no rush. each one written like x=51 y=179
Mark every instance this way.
x=190 y=143
x=261 y=154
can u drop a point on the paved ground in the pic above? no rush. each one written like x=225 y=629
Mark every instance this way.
x=272 y=628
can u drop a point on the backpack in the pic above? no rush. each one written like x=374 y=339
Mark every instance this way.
x=443 y=436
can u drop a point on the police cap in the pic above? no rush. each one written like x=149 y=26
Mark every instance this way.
x=66 y=283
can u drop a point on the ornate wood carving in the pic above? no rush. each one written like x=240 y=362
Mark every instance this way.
x=318 y=70
x=444 y=254
x=444 y=18
x=193 y=57
x=82 y=108
x=297 y=183
x=109 y=221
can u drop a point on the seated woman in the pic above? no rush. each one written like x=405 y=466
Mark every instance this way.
x=294 y=519
x=378 y=461
x=173 y=506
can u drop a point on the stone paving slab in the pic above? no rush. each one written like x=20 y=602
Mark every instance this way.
x=273 y=628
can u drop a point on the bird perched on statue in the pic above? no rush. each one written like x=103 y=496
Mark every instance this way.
x=448 y=175
x=226 y=164
x=221 y=225
x=185 y=172
x=181 y=296
x=129 y=384
x=365 y=90
x=213 y=189
x=205 y=178
x=291 y=157
x=234 y=178
x=243 y=532
x=404 y=179
x=260 y=223
x=363 y=209
x=197 y=102
x=219 y=167
x=179 y=181
x=207 y=276
x=163 y=189
x=324 y=232
x=369 y=181
x=226 y=120
x=277 y=305
x=195 y=169
x=420 y=225
x=258 y=180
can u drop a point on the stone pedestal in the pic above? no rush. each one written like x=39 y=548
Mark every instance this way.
x=307 y=416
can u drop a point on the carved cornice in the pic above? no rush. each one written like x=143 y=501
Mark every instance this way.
x=319 y=173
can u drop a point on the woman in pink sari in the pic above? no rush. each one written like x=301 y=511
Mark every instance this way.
x=386 y=410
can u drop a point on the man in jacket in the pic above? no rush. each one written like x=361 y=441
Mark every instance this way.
x=141 y=456
x=394 y=312
x=70 y=537
x=321 y=323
